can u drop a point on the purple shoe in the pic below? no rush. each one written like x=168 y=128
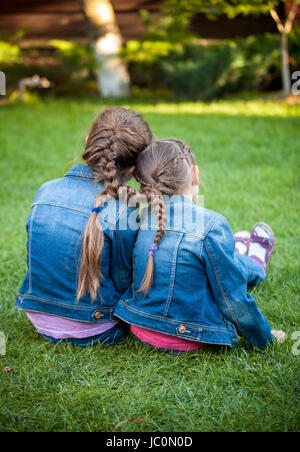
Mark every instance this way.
x=262 y=236
x=242 y=240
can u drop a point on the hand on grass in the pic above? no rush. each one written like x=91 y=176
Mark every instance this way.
x=280 y=335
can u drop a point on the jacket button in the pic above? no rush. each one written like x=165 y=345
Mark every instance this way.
x=98 y=315
x=182 y=329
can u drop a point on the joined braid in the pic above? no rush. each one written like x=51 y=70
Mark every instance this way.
x=115 y=139
x=159 y=209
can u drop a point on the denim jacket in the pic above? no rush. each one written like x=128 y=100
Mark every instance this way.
x=199 y=289
x=55 y=228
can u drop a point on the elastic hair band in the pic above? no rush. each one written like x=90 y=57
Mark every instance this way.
x=153 y=249
x=96 y=209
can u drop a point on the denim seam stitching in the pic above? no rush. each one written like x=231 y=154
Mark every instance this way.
x=168 y=228
x=59 y=315
x=172 y=277
x=213 y=222
x=227 y=301
x=77 y=273
x=200 y=249
x=81 y=176
x=191 y=325
x=64 y=206
x=183 y=337
x=44 y=300
x=122 y=279
x=29 y=251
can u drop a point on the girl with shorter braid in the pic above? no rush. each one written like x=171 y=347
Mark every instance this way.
x=168 y=178
x=189 y=282
x=80 y=238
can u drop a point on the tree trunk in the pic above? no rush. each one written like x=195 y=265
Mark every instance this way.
x=285 y=65
x=284 y=30
x=112 y=74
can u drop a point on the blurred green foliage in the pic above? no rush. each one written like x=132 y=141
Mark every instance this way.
x=172 y=25
x=77 y=63
x=68 y=65
x=9 y=53
x=168 y=60
x=193 y=70
x=75 y=55
x=214 y=8
x=169 y=57
x=149 y=52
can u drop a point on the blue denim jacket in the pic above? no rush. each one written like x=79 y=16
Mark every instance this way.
x=199 y=290
x=55 y=228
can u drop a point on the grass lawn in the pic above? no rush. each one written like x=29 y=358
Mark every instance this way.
x=248 y=152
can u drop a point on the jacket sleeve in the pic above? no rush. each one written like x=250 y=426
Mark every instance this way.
x=123 y=240
x=228 y=282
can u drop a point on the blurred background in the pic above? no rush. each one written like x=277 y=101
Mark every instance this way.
x=198 y=50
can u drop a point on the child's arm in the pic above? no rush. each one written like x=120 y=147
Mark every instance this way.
x=229 y=285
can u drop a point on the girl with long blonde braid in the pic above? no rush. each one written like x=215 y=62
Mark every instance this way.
x=80 y=239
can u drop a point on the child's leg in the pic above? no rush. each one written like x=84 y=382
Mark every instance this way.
x=260 y=248
x=110 y=337
x=253 y=269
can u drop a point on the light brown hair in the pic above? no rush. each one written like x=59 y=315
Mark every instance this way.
x=163 y=168
x=116 y=138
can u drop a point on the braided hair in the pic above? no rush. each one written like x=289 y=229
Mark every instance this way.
x=116 y=138
x=163 y=168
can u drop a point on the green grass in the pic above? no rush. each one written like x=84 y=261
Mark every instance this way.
x=248 y=154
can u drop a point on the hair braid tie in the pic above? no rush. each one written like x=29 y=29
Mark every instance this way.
x=153 y=249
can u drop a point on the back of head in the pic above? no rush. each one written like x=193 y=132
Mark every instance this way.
x=163 y=168
x=116 y=138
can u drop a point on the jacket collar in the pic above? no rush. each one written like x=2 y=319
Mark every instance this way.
x=87 y=172
x=178 y=200
x=81 y=171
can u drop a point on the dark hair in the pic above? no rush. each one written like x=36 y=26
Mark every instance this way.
x=162 y=169
x=116 y=138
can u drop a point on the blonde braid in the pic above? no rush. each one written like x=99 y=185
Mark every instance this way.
x=116 y=138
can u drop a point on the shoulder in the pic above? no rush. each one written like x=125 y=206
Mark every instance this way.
x=211 y=220
x=218 y=231
x=48 y=187
x=183 y=216
x=205 y=219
